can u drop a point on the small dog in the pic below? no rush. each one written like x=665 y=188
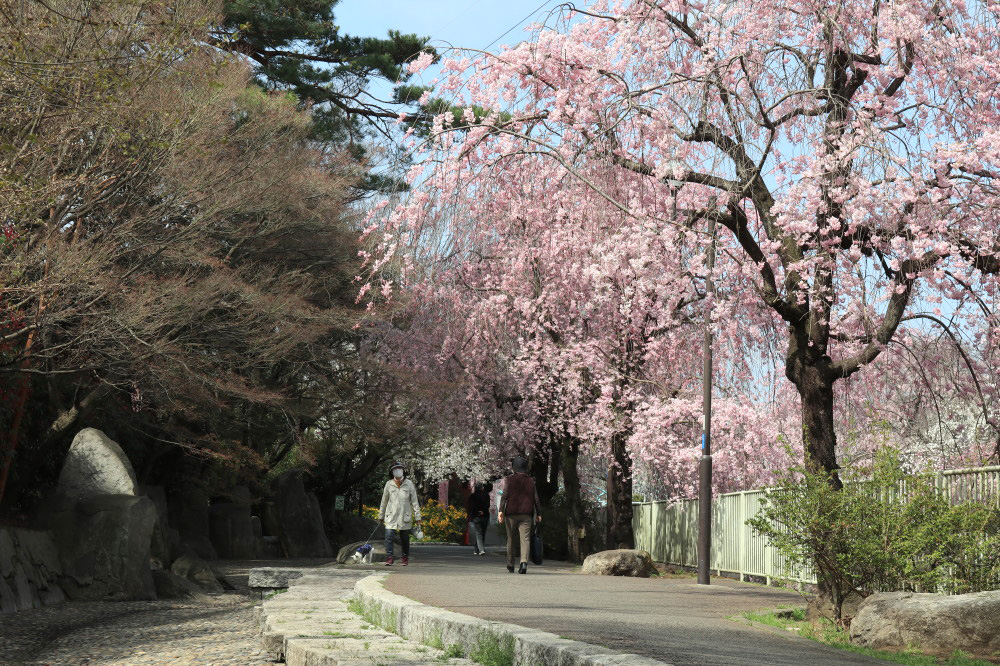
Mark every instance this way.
x=362 y=555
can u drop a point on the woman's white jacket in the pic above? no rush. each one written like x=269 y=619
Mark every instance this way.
x=397 y=503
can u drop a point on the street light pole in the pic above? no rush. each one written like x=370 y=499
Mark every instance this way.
x=705 y=464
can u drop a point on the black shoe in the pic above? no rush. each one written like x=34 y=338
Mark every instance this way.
x=524 y=568
x=510 y=568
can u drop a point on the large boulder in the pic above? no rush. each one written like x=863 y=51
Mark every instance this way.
x=159 y=549
x=347 y=528
x=270 y=521
x=621 y=562
x=29 y=570
x=96 y=465
x=231 y=530
x=188 y=507
x=968 y=622
x=821 y=606
x=194 y=569
x=271 y=548
x=172 y=586
x=299 y=518
x=103 y=543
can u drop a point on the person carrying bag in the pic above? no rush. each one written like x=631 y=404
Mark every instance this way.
x=537 y=549
x=518 y=502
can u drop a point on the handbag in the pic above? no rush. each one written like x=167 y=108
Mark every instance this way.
x=418 y=533
x=536 y=550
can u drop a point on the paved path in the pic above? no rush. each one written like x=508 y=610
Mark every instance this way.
x=670 y=619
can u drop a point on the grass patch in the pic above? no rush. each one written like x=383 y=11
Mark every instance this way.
x=385 y=618
x=493 y=649
x=452 y=652
x=790 y=619
x=341 y=634
x=670 y=572
x=824 y=631
x=436 y=641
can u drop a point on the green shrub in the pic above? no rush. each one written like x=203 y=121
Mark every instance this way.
x=967 y=539
x=885 y=530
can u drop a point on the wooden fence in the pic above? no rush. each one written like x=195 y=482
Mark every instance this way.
x=669 y=530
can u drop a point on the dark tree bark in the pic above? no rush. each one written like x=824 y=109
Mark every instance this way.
x=812 y=374
x=545 y=470
x=818 y=434
x=574 y=506
x=619 y=532
x=68 y=419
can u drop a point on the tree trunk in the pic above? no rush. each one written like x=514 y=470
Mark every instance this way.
x=545 y=470
x=574 y=506
x=68 y=419
x=620 y=534
x=819 y=438
x=815 y=385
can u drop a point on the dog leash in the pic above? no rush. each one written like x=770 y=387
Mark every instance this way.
x=369 y=539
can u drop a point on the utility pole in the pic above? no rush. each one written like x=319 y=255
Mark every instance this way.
x=705 y=464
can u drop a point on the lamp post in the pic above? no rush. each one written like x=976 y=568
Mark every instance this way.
x=705 y=463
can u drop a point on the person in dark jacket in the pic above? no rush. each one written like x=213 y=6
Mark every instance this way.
x=519 y=500
x=478 y=509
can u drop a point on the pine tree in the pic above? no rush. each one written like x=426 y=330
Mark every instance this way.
x=297 y=46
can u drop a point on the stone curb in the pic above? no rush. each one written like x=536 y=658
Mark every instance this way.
x=434 y=626
x=311 y=624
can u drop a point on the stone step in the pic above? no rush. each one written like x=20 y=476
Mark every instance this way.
x=311 y=625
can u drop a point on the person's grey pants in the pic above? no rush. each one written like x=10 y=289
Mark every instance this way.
x=477 y=532
x=519 y=524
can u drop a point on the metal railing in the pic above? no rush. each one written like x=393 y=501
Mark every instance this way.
x=669 y=530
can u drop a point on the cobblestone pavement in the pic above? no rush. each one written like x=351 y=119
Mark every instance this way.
x=219 y=630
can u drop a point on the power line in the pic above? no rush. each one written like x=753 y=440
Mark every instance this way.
x=458 y=16
x=485 y=48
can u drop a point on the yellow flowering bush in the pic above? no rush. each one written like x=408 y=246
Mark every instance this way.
x=440 y=522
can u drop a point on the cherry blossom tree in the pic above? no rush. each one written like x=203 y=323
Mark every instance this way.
x=841 y=154
x=570 y=328
x=942 y=417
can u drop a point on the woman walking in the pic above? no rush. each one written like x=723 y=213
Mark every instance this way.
x=399 y=510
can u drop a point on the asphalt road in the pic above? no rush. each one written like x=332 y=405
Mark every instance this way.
x=670 y=619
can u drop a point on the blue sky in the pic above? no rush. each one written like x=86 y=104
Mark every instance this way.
x=461 y=23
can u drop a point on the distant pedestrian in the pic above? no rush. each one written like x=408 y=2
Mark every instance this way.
x=519 y=500
x=399 y=509
x=478 y=509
